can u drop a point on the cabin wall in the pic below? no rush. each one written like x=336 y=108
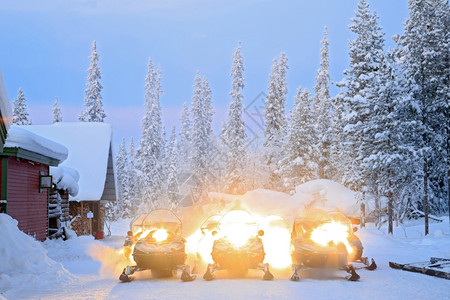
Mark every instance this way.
x=26 y=203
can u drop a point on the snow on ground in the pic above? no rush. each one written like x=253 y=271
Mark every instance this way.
x=384 y=283
x=95 y=266
x=24 y=261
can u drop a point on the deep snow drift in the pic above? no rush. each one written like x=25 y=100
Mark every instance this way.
x=24 y=261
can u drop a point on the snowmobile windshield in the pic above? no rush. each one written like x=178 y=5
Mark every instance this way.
x=157 y=219
x=323 y=228
x=308 y=221
x=210 y=224
x=339 y=217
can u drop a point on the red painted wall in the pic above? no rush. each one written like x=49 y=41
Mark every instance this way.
x=25 y=203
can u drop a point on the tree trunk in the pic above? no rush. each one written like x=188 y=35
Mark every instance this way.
x=390 y=210
x=425 y=196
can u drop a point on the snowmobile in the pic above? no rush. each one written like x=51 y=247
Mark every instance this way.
x=321 y=239
x=156 y=244
x=238 y=246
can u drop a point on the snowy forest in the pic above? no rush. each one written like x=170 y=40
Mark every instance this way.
x=385 y=134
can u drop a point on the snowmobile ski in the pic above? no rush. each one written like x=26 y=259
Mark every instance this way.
x=438 y=267
x=365 y=261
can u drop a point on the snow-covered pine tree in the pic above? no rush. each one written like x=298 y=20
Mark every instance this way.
x=57 y=117
x=275 y=119
x=132 y=153
x=202 y=134
x=424 y=52
x=234 y=131
x=338 y=156
x=93 y=101
x=123 y=207
x=322 y=111
x=184 y=145
x=150 y=150
x=20 y=113
x=208 y=111
x=173 y=192
x=366 y=52
x=389 y=162
x=300 y=162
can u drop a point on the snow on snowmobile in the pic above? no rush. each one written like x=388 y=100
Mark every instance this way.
x=156 y=244
x=323 y=239
x=237 y=246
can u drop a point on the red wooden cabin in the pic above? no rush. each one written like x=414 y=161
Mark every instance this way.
x=24 y=166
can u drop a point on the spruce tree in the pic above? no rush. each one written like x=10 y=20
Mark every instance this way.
x=20 y=113
x=300 y=162
x=173 y=192
x=122 y=206
x=57 y=117
x=424 y=51
x=150 y=152
x=234 y=131
x=322 y=111
x=275 y=119
x=202 y=134
x=93 y=101
x=184 y=146
x=366 y=52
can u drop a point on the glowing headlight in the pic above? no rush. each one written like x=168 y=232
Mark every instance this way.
x=332 y=232
x=238 y=234
x=160 y=235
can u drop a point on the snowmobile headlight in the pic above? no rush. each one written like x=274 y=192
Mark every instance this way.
x=332 y=233
x=160 y=235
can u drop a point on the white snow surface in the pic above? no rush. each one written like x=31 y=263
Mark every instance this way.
x=5 y=106
x=24 y=261
x=66 y=178
x=88 y=144
x=327 y=195
x=19 y=137
x=96 y=265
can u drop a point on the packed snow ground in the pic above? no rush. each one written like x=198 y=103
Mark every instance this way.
x=83 y=268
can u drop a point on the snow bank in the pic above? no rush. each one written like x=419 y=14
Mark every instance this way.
x=327 y=195
x=88 y=144
x=66 y=178
x=24 y=262
x=19 y=137
x=324 y=194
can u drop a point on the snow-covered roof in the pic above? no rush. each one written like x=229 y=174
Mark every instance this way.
x=66 y=178
x=19 y=137
x=89 y=145
x=5 y=106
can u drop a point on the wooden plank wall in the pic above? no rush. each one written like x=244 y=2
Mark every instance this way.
x=109 y=191
x=25 y=203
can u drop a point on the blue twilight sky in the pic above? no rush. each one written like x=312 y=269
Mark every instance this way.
x=45 y=44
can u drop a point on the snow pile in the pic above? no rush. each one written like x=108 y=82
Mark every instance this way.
x=24 y=261
x=327 y=195
x=66 y=178
x=19 y=137
x=89 y=145
x=322 y=193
